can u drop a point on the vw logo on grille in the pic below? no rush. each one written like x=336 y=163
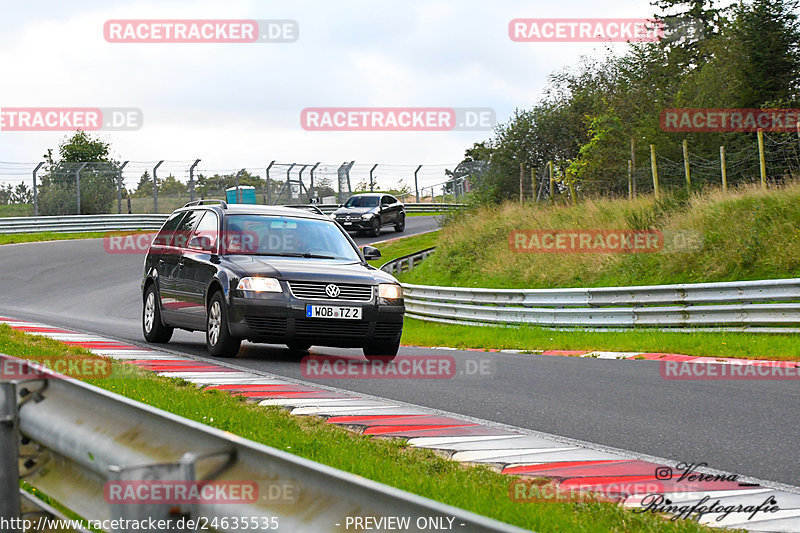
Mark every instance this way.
x=332 y=291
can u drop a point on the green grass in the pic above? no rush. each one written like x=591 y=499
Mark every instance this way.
x=15 y=238
x=740 y=345
x=744 y=234
x=404 y=246
x=389 y=461
x=16 y=210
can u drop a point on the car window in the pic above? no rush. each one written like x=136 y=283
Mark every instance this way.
x=386 y=200
x=362 y=201
x=207 y=227
x=286 y=236
x=185 y=227
x=167 y=233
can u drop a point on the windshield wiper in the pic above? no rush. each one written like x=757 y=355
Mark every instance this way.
x=295 y=254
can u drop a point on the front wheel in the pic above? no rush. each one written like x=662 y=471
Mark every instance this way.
x=219 y=341
x=382 y=352
x=375 y=228
x=401 y=223
x=152 y=327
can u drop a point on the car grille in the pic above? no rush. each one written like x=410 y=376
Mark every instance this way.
x=267 y=325
x=313 y=290
x=309 y=327
x=388 y=331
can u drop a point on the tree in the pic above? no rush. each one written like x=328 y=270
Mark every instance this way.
x=99 y=177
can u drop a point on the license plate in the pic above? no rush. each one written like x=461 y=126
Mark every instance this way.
x=332 y=311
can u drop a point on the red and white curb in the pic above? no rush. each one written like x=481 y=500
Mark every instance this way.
x=647 y=356
x=570 y=465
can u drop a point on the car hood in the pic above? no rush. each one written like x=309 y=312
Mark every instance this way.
x=354 y=210
x=302 y=269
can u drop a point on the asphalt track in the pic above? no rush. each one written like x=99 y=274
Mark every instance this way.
x=747 y=427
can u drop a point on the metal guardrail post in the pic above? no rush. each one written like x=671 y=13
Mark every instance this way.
x=78 y=186
x=155 y=187
x=191 y=180
x=36 y=191
x=9 y=455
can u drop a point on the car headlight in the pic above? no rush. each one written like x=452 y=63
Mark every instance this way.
x=367 y=216
x=259 y=285
x=390 y=291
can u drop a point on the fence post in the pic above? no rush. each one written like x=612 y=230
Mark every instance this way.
x=571 y=186
x=269 y=193
x=533 y=183
x=119 y=186
x=9 y=456
x=238 y=191
x=521 y=183
x=288 y=184
x=155 y=187
x=686 y=166
x=654 y=169
x=191 y=180
x=416 y=183
x=78 y=186
x=371 y=181
x=630 y=178
x=312 y=179
x=723 y=169
x=552 y=188
x=36 y=191
x=761 y=160
x=633 y=166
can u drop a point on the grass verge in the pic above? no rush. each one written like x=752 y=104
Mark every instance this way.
x=16 y=238
x=404 y=246
x=744 y=234
x=740 y=345
x=422 y=472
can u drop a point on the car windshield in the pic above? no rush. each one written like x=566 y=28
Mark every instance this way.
x=286 y=236
x=362 y=201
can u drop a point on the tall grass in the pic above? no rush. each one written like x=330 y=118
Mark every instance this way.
x=743 y=234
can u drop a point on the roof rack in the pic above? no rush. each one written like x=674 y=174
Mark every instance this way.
x=222 y=203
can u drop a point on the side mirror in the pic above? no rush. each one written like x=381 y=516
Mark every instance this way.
x=371 y=253
x=203 y=242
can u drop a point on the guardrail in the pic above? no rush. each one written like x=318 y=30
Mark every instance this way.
x=83 y=223
x=406 y=262
x=77 y=439
x=764 y=305
x=410 y=207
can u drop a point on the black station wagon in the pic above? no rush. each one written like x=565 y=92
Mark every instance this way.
x=267 y=274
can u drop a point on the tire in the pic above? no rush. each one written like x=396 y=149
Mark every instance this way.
x=401 y=223
x=298 y=346
x=375 y=228
x=382 y=352
x=219 y=341
x=152 y=327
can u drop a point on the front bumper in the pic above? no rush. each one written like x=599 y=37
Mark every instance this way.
x=281 y=319
x=355 y=224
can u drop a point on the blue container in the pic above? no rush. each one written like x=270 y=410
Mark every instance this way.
x=247 y=195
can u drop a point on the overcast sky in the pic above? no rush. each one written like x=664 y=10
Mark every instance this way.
x=238 y=105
